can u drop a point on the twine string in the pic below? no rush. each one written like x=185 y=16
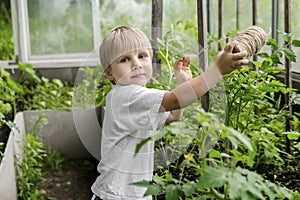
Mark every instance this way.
x=250 y=40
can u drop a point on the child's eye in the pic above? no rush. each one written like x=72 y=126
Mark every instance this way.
x=124 y=60
x=142 y=56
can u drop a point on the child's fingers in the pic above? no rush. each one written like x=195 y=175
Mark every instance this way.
x=178 y=65
x=186 y=61
x=239 y=63
x=229 y=47
x=240 y=55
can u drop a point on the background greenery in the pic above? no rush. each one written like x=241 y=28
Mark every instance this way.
x=233 y=153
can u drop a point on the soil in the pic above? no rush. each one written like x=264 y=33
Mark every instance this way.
x=72 y=181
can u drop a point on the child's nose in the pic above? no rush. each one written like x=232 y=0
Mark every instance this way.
x=136 y=64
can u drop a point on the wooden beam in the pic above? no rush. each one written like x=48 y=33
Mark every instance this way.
x=288 y=76
x=220 y=23
x=238 y=14
x=202 y=40
x=254 y=12
x=275 y=9
x=156 y=32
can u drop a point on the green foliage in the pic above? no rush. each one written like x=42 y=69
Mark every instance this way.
x=30 y=168
x=214 y=181
x=6 y=40
x=49 y=95
x=235 y=182
x=33 y=92
x=239 y=184
x=7 y=98
x=254 y=104
x=91 y=87
x=214 y=152
x=8 y=89
x=54 y=160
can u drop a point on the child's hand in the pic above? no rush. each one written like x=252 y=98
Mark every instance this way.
x=182 y=69
x=227 y=61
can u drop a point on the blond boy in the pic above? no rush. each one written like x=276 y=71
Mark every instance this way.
x=134 y=112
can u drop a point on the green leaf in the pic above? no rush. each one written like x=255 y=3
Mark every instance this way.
x=158 y=180
x=287 y=37
x=212 y=177
x=258 y=64
x=242 y=138
x=31 y=73
x=142 y=183
x=23 y=66
x=214 y=154
x=169 y=178
x=188 y=190
x=297 y=146
x=4 y=73
x=153 y=190
x=292 y=135
x=172 y=192
x=290 y=54
x=263 y=55
x=140 y=145
x=58 y=82
x=296 y=43
x=272 y=70
x=273 y=43
x=275 y=58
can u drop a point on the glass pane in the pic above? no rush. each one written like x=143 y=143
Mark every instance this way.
x=135 y=13
x=295 y=29
x=60 y=26
x=181 y=15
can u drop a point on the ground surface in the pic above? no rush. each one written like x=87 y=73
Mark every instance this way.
x=72 y=182
x=74 y=179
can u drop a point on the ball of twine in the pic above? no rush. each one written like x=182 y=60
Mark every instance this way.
x=251 y=40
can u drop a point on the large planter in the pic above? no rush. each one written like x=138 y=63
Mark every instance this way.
x=77 y=134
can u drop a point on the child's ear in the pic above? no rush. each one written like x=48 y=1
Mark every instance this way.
x=109 y=75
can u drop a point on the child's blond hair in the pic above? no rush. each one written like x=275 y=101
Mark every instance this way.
x=120 y=40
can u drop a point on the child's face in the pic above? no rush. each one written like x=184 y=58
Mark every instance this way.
x=133 y=67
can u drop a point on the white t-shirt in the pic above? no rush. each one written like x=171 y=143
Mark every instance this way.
x=132 y=114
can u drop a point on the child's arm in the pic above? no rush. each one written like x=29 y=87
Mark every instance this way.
x=192 y=90
x=183 y=73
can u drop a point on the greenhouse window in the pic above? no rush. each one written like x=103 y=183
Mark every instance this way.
x=56 y=33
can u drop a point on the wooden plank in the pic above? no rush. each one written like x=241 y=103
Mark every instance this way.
x=208 y=16
x=202 y=40
x=238 y=14
x=220 y=23
x=254 y=22
x=254 y=12
x=288 y=74
x=156 y=32
x=275 y=9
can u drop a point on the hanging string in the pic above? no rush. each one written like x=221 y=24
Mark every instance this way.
x=251 y=40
